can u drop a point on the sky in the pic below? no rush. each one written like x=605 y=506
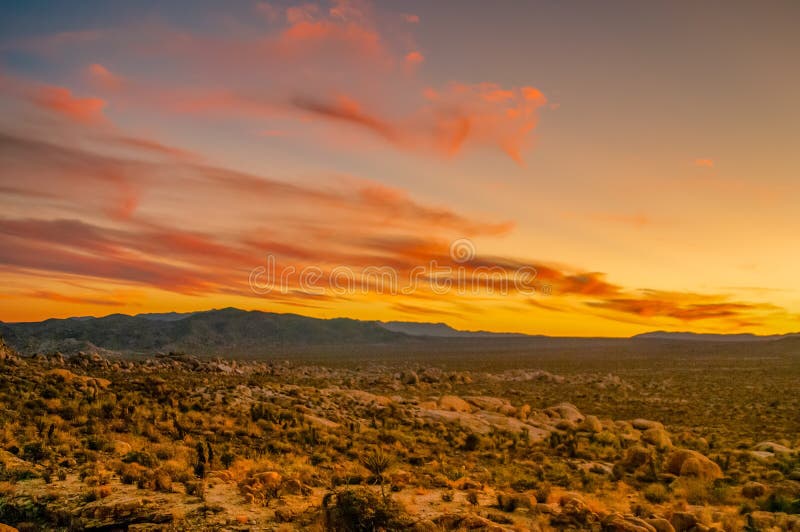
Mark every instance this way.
x=562 y=168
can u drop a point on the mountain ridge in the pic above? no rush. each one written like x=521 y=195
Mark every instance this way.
x=220 y=331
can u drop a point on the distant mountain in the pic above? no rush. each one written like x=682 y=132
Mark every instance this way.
x=214 y=331
x=701 y=337
x=237 y=332
x=166 y=316
x=440 y=330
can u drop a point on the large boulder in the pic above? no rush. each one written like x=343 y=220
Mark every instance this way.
x=683 y=521
x=575 y=513
x=657 y=437
x=772 y=447
x=454 y=404
x=753 y=490
x=645 y=424
x=660 y=524
x=567 y=412
x=688 y=463
x=626 y=523
x=7 y=353
x=591 y=424
x=492 y=404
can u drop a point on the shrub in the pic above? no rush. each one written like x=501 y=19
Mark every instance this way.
x=542 y=493
x=656 y=493
x=140 y=457
x=780 y=502
x=35 y=452
x=361 y=510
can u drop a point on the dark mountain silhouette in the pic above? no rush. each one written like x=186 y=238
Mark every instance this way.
x=441 y=330
x=202 y=332
x=232 y=331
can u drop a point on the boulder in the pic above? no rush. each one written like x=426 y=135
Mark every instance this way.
x=121 y=448
x=626 y=523
x=657 y=437
x=645 y=424
x=492 y=404
x=772 y=447
x=753 y=490
x=688 y=463
x=466 y=483
x=411 y=378
x=760 y=520
x=293 y=486
x=454 y=404
x=575 y=513
x=683 y=521
x=660 y=524
x=591 y=424
x=567 y=412
x=466 y=522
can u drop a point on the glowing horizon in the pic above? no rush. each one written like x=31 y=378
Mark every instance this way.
x=640 y=159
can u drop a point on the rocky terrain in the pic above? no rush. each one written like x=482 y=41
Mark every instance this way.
x=95 y=441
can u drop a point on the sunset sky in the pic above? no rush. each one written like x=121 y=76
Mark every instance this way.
x=642 y=158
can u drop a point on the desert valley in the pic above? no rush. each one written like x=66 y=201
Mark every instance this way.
x=393 y=431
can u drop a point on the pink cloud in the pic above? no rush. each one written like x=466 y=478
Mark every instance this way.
x=62 y=101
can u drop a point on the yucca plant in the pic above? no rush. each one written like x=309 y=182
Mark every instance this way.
x=377 y=462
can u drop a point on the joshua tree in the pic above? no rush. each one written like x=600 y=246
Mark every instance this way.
x=200 y=466
x=377 y=462
x=210 y=454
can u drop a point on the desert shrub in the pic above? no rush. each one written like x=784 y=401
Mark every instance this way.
x=509 y=503
x=361 y=510
x=130 y=473
x=141 y=457
x=471 y=442
x=693 y=490
x=227 y=459
x=720 y=493
x=524 y=484
x=656 y=493
x=101 y=492
x=542 y=493
x=35 y=451
x=98 y=443
x=781 y=502
x=196 y=488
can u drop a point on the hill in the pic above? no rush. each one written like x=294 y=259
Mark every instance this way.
x=213 y=331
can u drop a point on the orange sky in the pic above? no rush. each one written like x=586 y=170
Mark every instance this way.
x=536 y=168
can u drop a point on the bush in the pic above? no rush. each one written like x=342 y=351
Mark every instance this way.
x=34 y=452
x=542 y=493
x=656 y=493
x=361 y=510
x=780 y=502
x=140 y=457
